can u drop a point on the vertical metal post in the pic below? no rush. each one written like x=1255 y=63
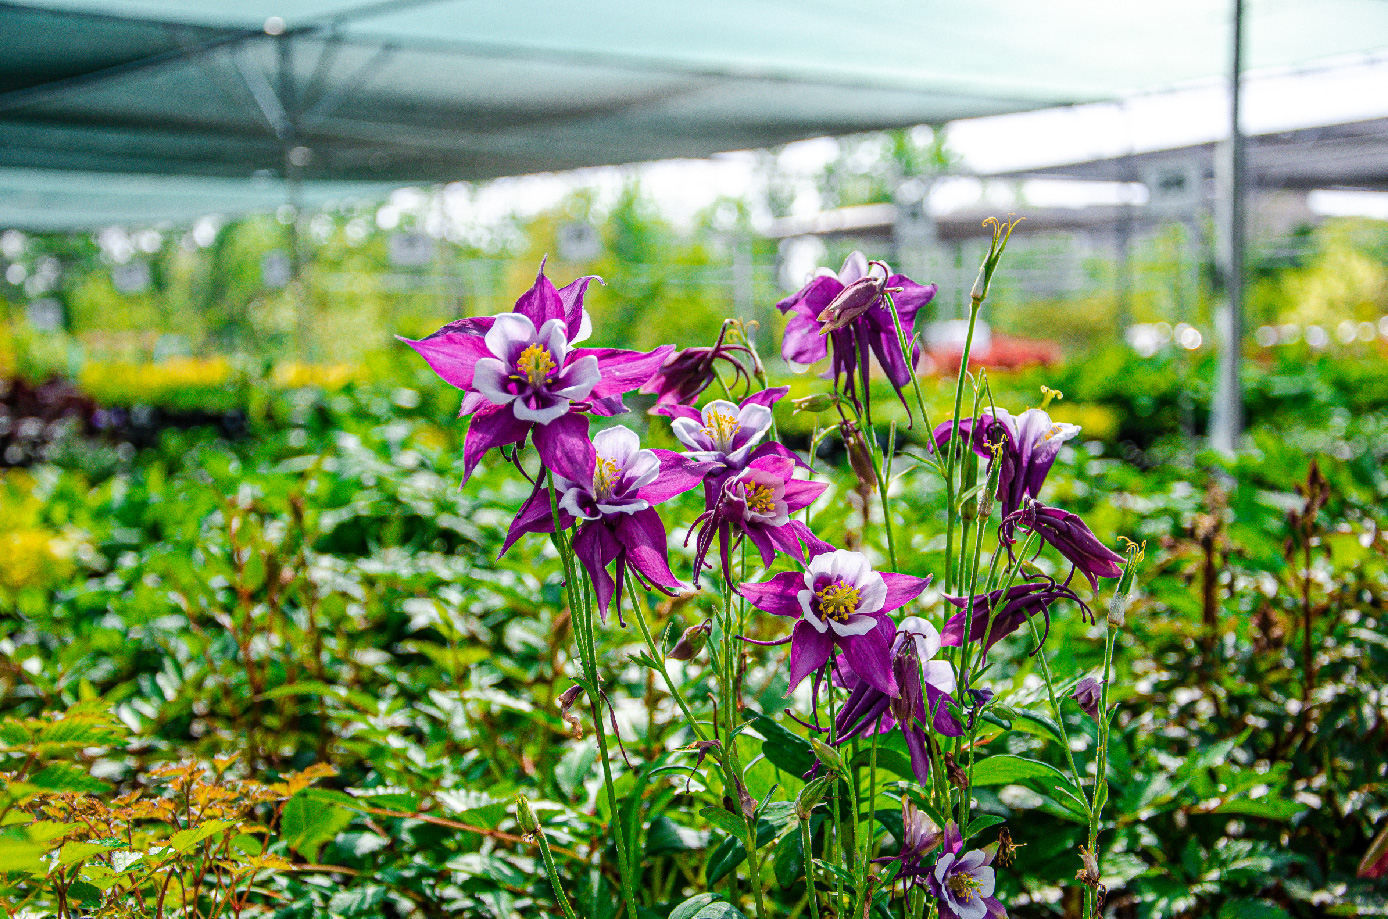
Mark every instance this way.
x=1226 y=415
x=294 y=161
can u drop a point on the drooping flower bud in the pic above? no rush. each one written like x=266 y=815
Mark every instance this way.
x=859 y=456
x=1088 y=694
x=854 y=300
x=810 y=796
x=691 y=642
x=828 y=756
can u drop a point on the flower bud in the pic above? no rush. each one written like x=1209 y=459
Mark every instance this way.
x=819 y=402
x=854 y=300
x=810 y=796
x=859 y=456
x=691 y=642
x=525 y=817
x=828 y=756
x=1088 y=694
x=957 y=776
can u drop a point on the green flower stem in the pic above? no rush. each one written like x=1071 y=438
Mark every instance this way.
x=582 y=617
x=728 y=689
x=1059 y=718
x=807 y=844
x=838 y=846
x=915 y=379
x=553 y=875
x=952 y=447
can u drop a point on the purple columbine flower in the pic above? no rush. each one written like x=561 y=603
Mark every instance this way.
x=521 y=374
x=1070 y=537
x=925 y=685
x=840 y=602
x=689 y=372
x=726 y=435
x=964 y=885
x=1030 y=443
x=920 y=837
x=860 y=326
x=1022 y=601
x=609 y=489
x=755 y=503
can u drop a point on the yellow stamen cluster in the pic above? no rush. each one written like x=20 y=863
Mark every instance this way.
x=1055 y=429
x=964 y=886
x=604 y=477
x=837 y=601
x=535 y=364
x=759 y=498
x=721 y=428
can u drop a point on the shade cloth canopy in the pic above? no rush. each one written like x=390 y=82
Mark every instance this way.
x=217 y=102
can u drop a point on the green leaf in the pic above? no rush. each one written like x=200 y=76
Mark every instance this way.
x=665 y=835
x=309 y=822
x=981 y=823
x=706 y=906
x=69 y=778
x=786 y=750
x=1251 y=909
x=184 y=840
x=1006 y=769
x=1267 y=808
x=725 y=821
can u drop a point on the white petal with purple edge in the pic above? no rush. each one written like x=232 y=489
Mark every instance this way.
x=923 y=633
x=942 y=866
x=856 y=625
x=642 y=469
x=549 y=407
x=585 y=329
x=577 y=380
x=554 y=336
x=971 y=861
x=872 y=593
x=509 y=332
x=854 y=267
x=975 y=908
x=626 y=507
x=689 y=433
x=940 y=675
x=989 y=880
x=572 y=502
x=489 y=378
x=617 y=445
x=807 y=610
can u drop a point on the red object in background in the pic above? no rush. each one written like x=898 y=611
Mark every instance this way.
x=1004 y=352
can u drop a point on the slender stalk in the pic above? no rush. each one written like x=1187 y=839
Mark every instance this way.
x=806 y=842
x=915 y=378
x=1100 y=792
x=882 y=467
x=1055 y=709
x=554 y=875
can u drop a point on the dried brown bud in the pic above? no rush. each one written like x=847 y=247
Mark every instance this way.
x=1007 y=849
x=957 y=776
x=859 y=455
x=565 y=703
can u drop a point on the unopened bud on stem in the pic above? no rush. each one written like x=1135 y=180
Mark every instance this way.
x=691 y=642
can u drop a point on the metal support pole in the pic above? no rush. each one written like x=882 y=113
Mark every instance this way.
x=1226 y=414
x=294 y=160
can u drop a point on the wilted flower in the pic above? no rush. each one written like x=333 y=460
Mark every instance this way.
x=610 y=487
x=1088 y=694
x=964 y=885
x=756 y=503
x=919 y=837
x=840 y=601
x=689 y=372
x=1070 y=537
x=1029 y=444
x=1020 y=603
x=921 y=702
x=858 y=323
x=521 y=373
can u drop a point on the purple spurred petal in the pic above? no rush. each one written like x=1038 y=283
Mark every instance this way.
x=871 y=658
x=767 y=397
x=624 y=371
x=571 y=297
x=565 y=449
x=766 y=545
x=489 y=429
x=535 y=516
x=678 y=474
x=801 y=494
x=809 y=651
x=451 y=354
x=541 y=302
x=642 y=535
x=902 y=589
x=777 y=596
x=595 y=547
